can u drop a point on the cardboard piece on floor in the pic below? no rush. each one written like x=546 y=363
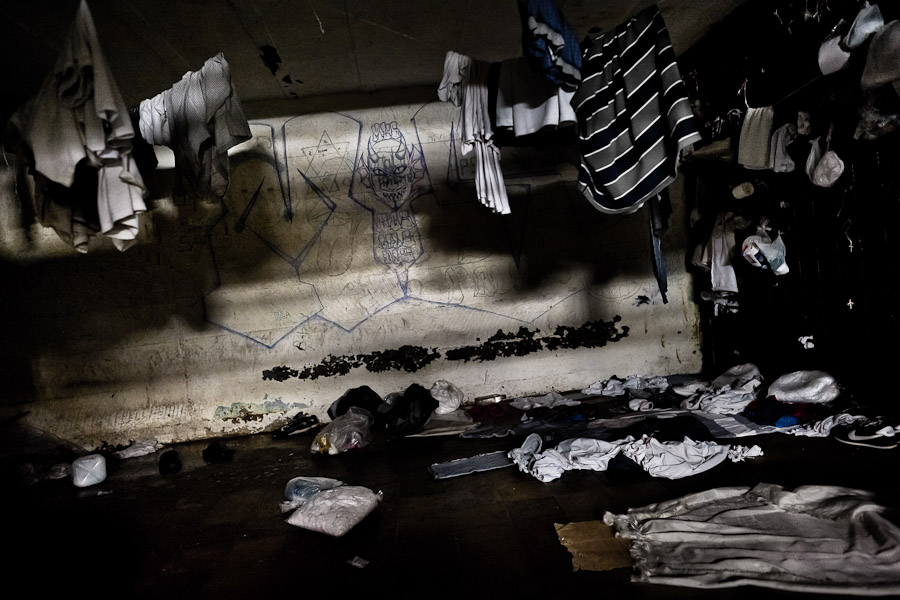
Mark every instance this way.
x=593 y=546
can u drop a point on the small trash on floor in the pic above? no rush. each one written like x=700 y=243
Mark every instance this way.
x=593 y=546
x=472 y=464
x=300 y=489
x=327 y=505
x=169 y=462
x=348 y=431
x=31 y=474
x=448 y=396
x=88 y=470
x=217 y=452
x=358 y=562
x=136 y=449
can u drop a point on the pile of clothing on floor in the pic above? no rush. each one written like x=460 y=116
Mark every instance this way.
x=671 y=426
x=816 y=538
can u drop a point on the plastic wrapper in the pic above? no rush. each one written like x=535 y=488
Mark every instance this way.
x=449 y=396
x=300 y=489
x=351 y=430
x=335 y=511
x=805 y=386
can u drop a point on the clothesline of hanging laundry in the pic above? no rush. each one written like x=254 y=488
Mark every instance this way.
x=89 y=153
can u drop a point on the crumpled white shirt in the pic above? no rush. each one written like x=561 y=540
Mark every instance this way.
x=727 y=394
x=670 y=460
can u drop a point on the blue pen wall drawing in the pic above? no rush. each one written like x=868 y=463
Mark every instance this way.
x=350 y=249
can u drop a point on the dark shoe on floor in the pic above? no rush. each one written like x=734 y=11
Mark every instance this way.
x=217 y=452
x=169 y=462
x=300 y=423
x=876 y=432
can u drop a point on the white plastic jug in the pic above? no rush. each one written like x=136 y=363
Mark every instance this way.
x=88 y=470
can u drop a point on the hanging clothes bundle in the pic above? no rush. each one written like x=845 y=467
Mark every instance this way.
x=77 y=139
x=633 y=118
x=633 y=114
x=465 y=84
x=200 y=118
x=527 y=103
x=549 y=43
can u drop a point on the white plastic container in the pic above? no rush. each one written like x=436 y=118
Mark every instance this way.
x=88 y=470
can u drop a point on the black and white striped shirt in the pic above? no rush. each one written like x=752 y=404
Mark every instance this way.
x=633 y=114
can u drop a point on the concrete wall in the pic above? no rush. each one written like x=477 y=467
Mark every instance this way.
x=319 y=274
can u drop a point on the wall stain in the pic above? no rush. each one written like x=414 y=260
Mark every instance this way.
x=519 y=343
x=408 y=358
x=244 y=412
x=592 y=334
x=281 y=373
x=331 y=365
x=270 y=58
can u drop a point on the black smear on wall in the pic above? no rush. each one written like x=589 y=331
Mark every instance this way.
x=279 y=373
x=408 y=358
x=270 y=58
x=500 y=344
x=592 y=334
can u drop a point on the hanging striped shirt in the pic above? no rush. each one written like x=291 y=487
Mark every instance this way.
x=633 y=114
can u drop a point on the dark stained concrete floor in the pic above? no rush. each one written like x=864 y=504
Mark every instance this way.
x=214 y=530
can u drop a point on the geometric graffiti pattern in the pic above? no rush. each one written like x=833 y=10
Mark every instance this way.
x=301 y=204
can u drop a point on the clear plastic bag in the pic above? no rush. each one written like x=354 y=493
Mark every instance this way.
x=352 y=429
x=300 y=489
x=335 y=511
x=449 y=396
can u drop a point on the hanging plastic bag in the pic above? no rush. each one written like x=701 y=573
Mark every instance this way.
x=762 y=251
x=351 y=430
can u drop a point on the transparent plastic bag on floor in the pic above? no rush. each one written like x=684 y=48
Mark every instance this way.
x=300 y=489
x=449 y=396
x=351 y=430
x=335 y=511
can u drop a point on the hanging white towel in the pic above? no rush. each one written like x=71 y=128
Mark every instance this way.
x=527 y=102
x=756 y=134
x=476 y=128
